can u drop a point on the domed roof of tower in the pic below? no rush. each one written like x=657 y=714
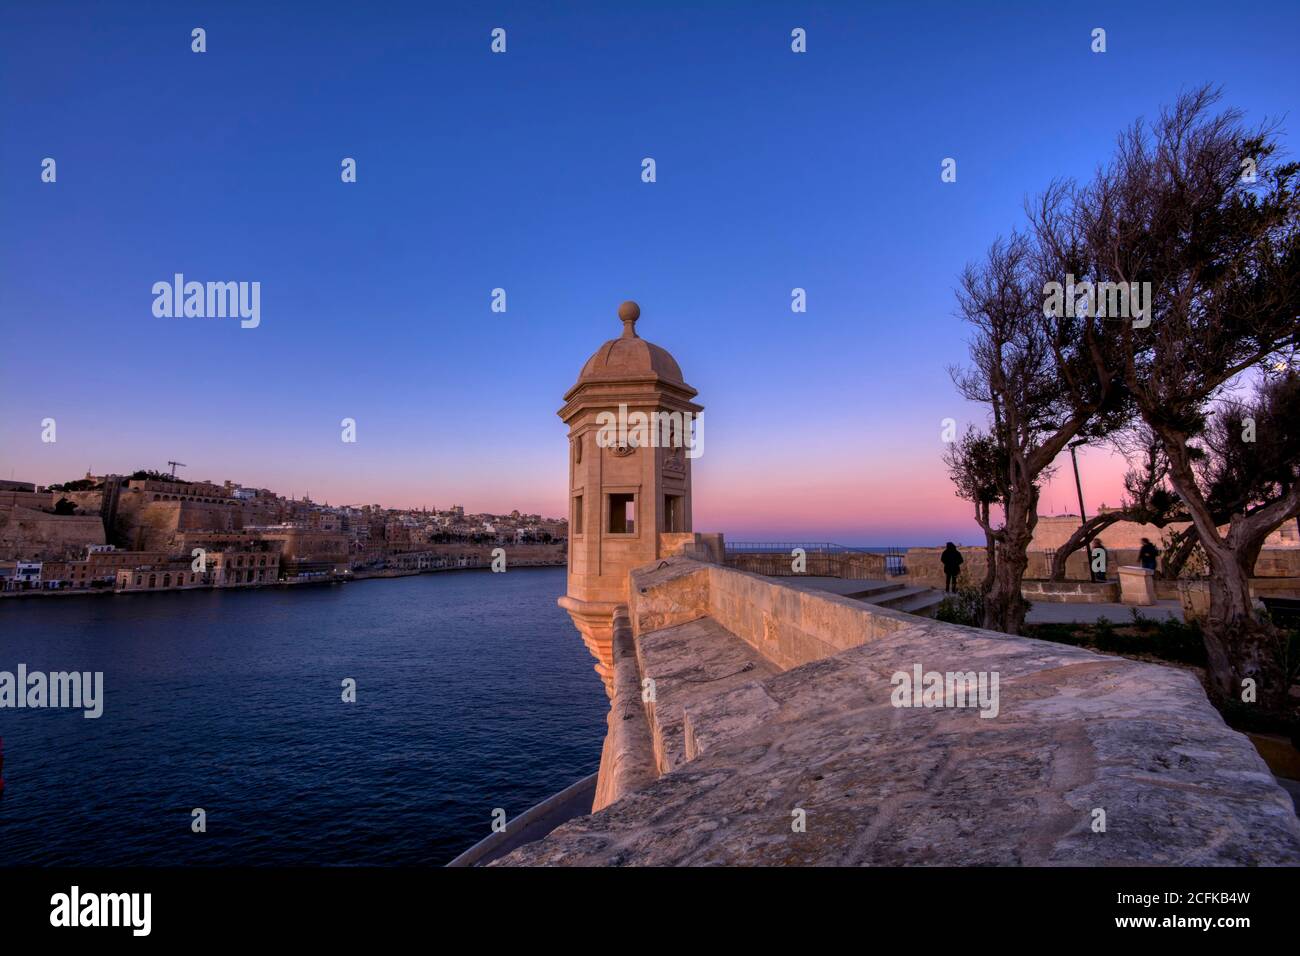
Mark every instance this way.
x=630 y=357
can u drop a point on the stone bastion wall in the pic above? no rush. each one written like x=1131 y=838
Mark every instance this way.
x=758 y=722
x=32 y=535
x=925 y=568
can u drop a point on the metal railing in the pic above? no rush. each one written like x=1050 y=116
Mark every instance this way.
x=785 y=547
x=846 y=564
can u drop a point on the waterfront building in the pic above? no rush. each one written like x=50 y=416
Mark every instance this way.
x=244 y=568
x=165 y=576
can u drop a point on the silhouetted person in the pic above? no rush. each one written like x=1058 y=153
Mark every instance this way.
x=1147 y=555
x=952 y=561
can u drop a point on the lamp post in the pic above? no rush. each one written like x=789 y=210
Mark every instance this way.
x=1083 y=515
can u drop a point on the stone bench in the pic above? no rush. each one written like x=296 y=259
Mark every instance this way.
x=1137 y=586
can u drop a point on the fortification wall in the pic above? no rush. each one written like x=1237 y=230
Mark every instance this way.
x=1052 y=531
x=145 y=524
x=88 y=501
x=791 y=626
x=1278 y=563
x=924 y=567
x=151 y=527
x=737 y=699
x=27 y=534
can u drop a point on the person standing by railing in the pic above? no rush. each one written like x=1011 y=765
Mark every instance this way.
x=952 y=562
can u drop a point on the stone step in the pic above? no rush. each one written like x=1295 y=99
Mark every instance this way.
x=924 y=605
x=898 y=595
x=858 y=588
x=913 y=600
x=874 y=589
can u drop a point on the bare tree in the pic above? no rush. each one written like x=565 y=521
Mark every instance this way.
x=1198 y=206
x=1252 y=446
x=977 y=467
x=1045 y=381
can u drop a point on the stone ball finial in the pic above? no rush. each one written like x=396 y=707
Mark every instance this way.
x=629 y=312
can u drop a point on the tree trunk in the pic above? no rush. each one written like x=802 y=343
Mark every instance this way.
x=990 y=546
x=990 y=562
x=1004 y=605
x=1176 y=555
x=1081 y=536
x=1238 y=645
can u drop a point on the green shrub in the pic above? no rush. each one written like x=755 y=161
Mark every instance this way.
x=1057 y=633
x=1176 y=641
x=1169 y=640
x=1290 y=650
x=1287 y=649
x=1105 y=638
x=1250 y=718
x=964 y=607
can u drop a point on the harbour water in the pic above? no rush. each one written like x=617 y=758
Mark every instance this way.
x=474 y=692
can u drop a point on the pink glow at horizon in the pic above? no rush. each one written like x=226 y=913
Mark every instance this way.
x=899 y=501
x=895 y=494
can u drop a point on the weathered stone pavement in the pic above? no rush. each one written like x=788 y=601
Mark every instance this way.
x=1075 y=733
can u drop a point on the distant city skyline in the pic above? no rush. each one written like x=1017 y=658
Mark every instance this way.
x=304 y=496
x=522 y=171
x=775 y=530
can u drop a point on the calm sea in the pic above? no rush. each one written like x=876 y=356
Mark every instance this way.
x=474 y=692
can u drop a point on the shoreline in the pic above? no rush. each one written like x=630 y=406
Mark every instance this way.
x=350 y=578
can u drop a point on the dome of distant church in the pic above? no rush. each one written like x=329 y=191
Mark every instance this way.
x=629 y=356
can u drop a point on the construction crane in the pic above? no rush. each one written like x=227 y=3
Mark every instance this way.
x=175 y=465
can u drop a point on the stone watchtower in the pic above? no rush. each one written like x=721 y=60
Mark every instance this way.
x=629 y=488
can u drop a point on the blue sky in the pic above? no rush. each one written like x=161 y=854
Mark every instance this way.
x=522 y=171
